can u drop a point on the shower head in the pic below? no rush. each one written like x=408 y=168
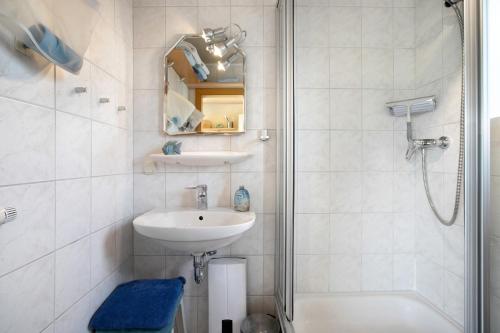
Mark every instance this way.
x=449 y=3
x=415 y=105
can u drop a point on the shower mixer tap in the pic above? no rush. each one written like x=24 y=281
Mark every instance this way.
x=419 y=144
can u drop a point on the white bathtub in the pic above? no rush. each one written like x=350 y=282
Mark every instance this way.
x=360 y=313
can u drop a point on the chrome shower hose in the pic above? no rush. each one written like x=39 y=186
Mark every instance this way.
x=461 y=154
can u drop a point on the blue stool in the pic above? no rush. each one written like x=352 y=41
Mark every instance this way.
x=142 y=306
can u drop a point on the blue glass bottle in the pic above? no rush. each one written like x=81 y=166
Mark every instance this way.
x=242 y=200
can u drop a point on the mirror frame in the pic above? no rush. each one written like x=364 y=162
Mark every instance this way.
x=165 y=81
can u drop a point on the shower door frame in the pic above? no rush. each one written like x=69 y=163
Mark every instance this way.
x=476 y=181
x=285 y=273
x=476 y=189
x=484 y=315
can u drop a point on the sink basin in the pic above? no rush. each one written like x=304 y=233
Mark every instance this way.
x=194 y=231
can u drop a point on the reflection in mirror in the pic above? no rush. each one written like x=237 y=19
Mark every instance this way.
x=205 y=84
x=223 y=110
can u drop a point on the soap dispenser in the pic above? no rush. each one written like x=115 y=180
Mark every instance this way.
x=242 y=199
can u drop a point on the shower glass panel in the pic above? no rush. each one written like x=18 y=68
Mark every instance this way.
x=367 y=216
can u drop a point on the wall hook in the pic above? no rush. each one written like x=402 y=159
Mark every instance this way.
x=264 y=135
x=121 y=108
x=104 y=100
x=80 y=90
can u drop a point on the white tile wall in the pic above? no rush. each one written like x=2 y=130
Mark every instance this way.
x=313 y=234
x=57 y=264
x=72 y=274
x=71 y=320
x=73 y=146
x=345 y=272
x=345 y=26
x=377 y=272
x=347 y=139
x=157 y=25
x=312 y=273
x=404 y=272
x=73 y=210
x=345 y=67
x=28 y=290
x=28 y=149
x=345 y=109
x=346 y=192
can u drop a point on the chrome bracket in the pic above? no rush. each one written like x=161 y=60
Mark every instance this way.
x=22 y=48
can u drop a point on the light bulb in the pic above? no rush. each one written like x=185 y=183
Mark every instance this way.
x=222 y=66
x=219 y=50
x=205 y=35
x=213 y=35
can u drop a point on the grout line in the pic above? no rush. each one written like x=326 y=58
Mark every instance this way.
x=32 y=104
x=54 y=261
x=55 y=180
x=27 y=264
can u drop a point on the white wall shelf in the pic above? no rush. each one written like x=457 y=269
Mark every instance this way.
x=204 y=158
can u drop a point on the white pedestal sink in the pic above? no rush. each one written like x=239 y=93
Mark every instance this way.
x=194 y=231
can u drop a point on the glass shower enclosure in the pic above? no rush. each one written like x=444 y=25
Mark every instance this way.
x=461 y=260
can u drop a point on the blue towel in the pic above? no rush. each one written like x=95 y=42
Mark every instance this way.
x=56 y=49
x=200 y=72
x=192 y=56
x=140 y=305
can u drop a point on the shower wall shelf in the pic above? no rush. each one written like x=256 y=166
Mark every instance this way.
x=205 y=158
x=414 y=105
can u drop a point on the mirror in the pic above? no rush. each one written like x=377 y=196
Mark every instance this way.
x=204 y=91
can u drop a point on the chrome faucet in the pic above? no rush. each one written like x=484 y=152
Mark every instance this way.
x=415 y=145
x=201 y=195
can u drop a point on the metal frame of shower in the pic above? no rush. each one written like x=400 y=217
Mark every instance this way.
x=474 y=314
x=477 y=174
x=482 y=162
x=284 y=273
